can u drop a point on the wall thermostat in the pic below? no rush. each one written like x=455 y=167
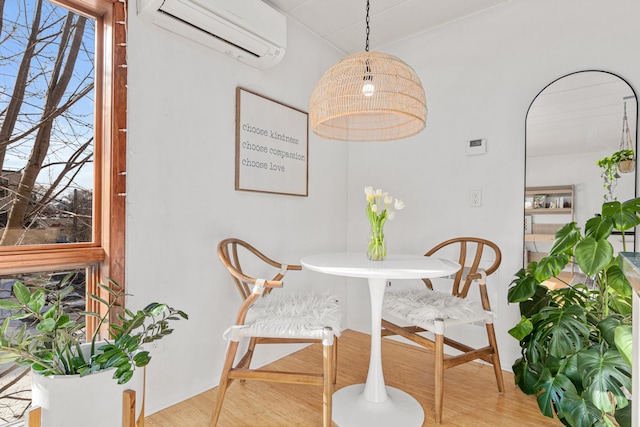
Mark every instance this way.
x=476 y=146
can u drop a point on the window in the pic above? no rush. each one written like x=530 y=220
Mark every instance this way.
x=63 y=165
x=62 y=145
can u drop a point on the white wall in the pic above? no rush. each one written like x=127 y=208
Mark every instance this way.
x=480 y=75
x=181 y=199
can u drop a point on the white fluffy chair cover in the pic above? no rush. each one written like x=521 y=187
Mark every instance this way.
x=288 y=314
x=422 y=307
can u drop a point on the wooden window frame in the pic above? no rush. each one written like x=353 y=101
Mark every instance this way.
x=105 y=255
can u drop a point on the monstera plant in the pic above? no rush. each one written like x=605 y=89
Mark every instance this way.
x=576 y=340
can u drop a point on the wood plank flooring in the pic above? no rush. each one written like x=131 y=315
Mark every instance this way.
x=471 y=397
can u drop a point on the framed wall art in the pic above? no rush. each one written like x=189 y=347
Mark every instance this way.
x=272 y=146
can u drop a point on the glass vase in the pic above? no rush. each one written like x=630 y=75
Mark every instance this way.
x=377 y=249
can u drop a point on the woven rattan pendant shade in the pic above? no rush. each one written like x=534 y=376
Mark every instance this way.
x=392 y=106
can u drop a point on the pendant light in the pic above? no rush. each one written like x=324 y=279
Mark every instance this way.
x=368 y=96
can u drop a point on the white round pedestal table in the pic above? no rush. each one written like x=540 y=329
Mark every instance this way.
x=374 y=404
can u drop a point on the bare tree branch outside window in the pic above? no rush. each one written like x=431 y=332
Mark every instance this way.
x=46 y=124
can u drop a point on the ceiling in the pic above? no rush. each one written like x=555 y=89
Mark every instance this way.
x=342 y=23
x=572 y=115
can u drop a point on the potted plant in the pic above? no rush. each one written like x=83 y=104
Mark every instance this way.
x=53 y=345
x=626 y=162
x=576 y=341
x=622 y=161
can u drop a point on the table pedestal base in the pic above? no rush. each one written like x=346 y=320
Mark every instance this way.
x=350 y=409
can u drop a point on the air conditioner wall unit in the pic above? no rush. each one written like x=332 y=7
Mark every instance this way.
x=248 y=30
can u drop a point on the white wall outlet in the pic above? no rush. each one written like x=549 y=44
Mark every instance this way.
x=475 y=198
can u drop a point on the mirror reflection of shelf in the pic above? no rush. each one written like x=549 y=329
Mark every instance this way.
x=546 y=201
x=542 y=232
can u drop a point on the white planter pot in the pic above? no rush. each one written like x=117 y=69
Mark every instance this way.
x=94 y=400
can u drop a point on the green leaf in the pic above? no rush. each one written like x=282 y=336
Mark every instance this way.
x=553 y=390
x=522 y=329
x=122 y=369
x=606 y=374
x=108 y=289
x=550 y=265
x=598 y=227
x=593 y=255
x=125 y=377
x=64 y=292
x=620 y=304
x=623 y=416
x=542 y=298
x=97 y=298
x=21 y=292
x=623 y=337
x=624 y=215
x=569 y=367
x=524 y=289
x=525 y=376
x=617 y=280
x=6 y=357
x=47 y=325
x=565 y=329
x=37 y=302
x=141 y=358
x=6 y=304
x=578 y=411
x=607 y=327
x=566 y=238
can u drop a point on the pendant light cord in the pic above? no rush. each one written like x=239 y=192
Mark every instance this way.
x=366 y=46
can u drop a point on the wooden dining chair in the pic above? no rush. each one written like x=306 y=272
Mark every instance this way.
x=267 y=317
x=412 y=312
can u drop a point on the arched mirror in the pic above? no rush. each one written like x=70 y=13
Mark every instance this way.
x=571 y=124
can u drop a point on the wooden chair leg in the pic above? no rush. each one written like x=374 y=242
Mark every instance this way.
x=439 y=376
x=248 y=356
x=495 y=357
x=335 y=361
x=35 y=417
x=328 y=353
x=224 y=381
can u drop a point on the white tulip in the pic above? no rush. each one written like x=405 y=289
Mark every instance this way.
x=392 y=215
x=387 y=199
x=368 y=191
x=374 y=208
x=398 y=205
x=378 y=192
